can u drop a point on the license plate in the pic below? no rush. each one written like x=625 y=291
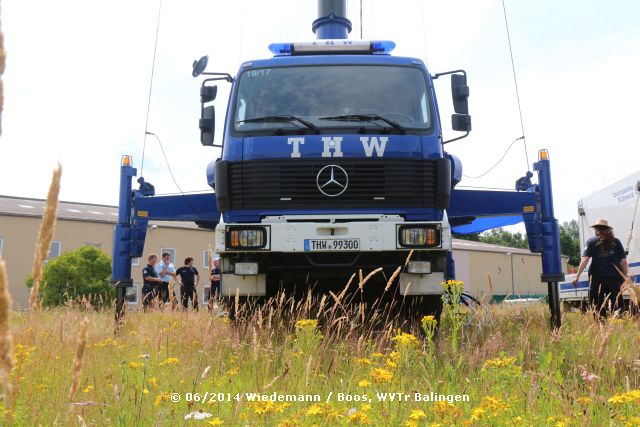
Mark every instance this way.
x=311 y=245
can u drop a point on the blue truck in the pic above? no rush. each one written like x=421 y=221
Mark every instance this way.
x=333 y=161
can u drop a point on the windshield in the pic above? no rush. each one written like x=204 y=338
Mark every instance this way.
x=304 y=98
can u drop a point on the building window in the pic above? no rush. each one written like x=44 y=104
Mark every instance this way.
x=94 y=244
x=1 y=245
x=132 y=294
x=135 y=262
x=205 y=257
x=171 y=252
x=55 y=249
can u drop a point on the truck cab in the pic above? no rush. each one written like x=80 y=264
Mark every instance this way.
x=332 y=161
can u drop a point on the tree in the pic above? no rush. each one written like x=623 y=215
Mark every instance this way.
x=83 y=272
x=499 y=236
x=570 y=241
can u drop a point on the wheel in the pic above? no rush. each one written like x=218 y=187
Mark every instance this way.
x=418 y=306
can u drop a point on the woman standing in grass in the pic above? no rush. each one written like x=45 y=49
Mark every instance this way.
x=608 y=268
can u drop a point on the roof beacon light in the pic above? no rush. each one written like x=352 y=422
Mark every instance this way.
x=543 y=155
x=126 y=161
x=319 y=47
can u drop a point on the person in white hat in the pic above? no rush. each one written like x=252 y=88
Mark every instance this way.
x=608 y=268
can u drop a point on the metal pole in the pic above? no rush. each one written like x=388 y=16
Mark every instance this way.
x=121 y=257
x=554 y=305
x=550 y=238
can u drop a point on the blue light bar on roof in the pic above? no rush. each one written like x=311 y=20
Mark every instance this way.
x=318 y=47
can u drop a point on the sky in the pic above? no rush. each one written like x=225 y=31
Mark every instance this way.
x=78 y=74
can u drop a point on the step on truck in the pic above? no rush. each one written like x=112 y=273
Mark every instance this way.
x=333 y=161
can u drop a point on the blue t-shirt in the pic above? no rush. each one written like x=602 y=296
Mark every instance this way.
x=603 y=262
x=160 y=267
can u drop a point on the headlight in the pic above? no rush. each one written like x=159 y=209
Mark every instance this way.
x=246 y=237
x=419 y=236
x=246 y=269
x=419 y=267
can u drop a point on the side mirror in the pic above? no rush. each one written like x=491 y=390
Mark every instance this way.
x=461 y=122
x=199 y=66
x=460 y=93
x=207 y=125
x=208 y=93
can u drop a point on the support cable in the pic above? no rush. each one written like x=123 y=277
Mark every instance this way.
x=153 y=67
x=515 y=82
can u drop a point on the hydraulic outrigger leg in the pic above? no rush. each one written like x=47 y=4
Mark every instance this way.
x=544 y=238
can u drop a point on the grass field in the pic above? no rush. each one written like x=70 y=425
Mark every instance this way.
x=512 y=372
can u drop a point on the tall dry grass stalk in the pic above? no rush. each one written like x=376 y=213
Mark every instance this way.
x=45 y=235
x=6 y=339
x=78 y=359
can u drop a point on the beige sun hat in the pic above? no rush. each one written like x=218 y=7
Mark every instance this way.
x=601 y=223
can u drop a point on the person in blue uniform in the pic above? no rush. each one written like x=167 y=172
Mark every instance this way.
x=608 y=269
x=151 y=281
x=166 y=271
x=188 y=278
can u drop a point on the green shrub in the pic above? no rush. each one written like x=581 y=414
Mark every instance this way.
x=83 y=272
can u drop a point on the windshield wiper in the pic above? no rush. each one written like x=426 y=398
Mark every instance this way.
x=364 y=118
x=285 y=118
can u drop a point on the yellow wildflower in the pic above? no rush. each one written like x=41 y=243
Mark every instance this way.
x=216 y=422
x=377 y=355
x=395 y=356
x=363 y=361
x=170 y=361
x=499 y=362
x=559 y=421
x=429 y=320
x=450 y=284
x=314 y=410
x=411 y=423
x=232 y=372
x=307 y=323
x=281 y=407
x=391 y=364
x=631 y=422
x=135 y=365
x=405 y=339
x=442 y=407
x=364 y=383
x=153 y=383
x=264 y=407
x=87 y=389
x=417 y=414
x=161 y=397
x=632 y=396
x=359 y=417
x=381 y=375
x=584 y=400
x=145 y=391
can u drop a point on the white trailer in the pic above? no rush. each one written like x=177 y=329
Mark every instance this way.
x=618 y=203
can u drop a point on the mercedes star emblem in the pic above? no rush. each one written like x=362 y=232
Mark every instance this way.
x=332 y=180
